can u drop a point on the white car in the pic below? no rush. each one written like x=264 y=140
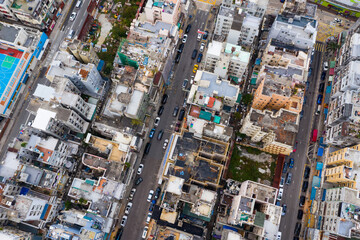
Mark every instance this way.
x=199 y=37
x=184 y=38
x=192 y=80
x=72 y=16
x=202 y=46
x=128 y=207
x=140 y=169
x=148 y=218
x=280 y=194
x=132 y=193
x=151 y=193
x=123 y=221
x=166 y=142
x=282 y=181
x=157 y=121
x=326 y=66
x=145 y=232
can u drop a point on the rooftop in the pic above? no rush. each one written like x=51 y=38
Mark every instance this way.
x=226 y=11
x=258 y=191
x=237 y=53
x=8 y=33
x=174 y=185
x=214 y=48
x=210 y=84
x=298 y=21
x=108 y=147
x=283 y=123
x=28 y=7
x=167 y=6
x=251 y=21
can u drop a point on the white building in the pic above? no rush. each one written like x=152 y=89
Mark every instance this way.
x=226 y=60
x=256 y=8
x=298 y=31
x=162 y=10
x=246 y=33
x=224 y=20
x=5 y=10
x=8 y=233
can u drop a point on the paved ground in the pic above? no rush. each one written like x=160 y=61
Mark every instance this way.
x=293 y=191
x=106 y=27
x=136 y=219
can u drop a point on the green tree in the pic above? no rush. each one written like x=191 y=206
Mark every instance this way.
x=68 y=205
x=247 y=99
x=127 y=165
x=332 y=46
x=136 y=122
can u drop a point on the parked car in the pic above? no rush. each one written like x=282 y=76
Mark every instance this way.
x=123 y=221
x=138 y=181
x=157 y=193
x=278 y=236
x=140 y=169
x=157 y=121
x=164 y=98
x=175 y=112
x=305 y=186
x=72 y=16
x=326 y=66
x=132 y=193
x=177 y=126
x=181 y=114
x=206 y=34
x=323 y=76
x=307 y=172
x=166 y=142
x=198 y=37
x=279 y=197
x=199 y=57
x=195 y=68
x=300 y=214
x=192 y=80
x=297 y=229
x=160 y=135
x=282 y=182
x=319 y=99
x=284 y=207
x=302 y=201
x=185 y=83
x=288 y=178
x=187 y=30
x=321 y=87
x=291 y=164
x=177 y=58
x=152 y=205
x=128 y=207
x=71 y=34
x=147 y=148
x=151 y=193
x=285 y=167
x=194 y=54
x=148 y=218
x=181 y=47
x=145 y=232
x=184 y=38
x=152 y=132
x=202 y=46
x=161 y=110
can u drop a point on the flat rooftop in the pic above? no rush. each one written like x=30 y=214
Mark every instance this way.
x=28 y=7
x=209 y=84
x=298 y=21
x=237 y=53
x=8 y=33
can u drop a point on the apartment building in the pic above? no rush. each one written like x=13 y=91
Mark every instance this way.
x=340 y=217
x=256 y=8
x=224 y=20
x=21 y=48
x=276 y=131
x=167 y=11
x=5 y=10
x=294 y=30
x=244 y=29
x=254 y=207
x=226 y=60
x=10 y=233
x=83 y=52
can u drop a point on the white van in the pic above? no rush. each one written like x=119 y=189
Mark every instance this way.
x=318 y=110
x=78 y=4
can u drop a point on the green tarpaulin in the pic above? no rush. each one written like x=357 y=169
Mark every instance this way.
x=205 y=115
x=253 y=81
x=217 y=119
x=332 y=64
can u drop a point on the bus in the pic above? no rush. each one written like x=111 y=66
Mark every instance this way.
x=314 y=135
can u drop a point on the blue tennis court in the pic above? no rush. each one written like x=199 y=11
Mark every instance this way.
x=8 y=65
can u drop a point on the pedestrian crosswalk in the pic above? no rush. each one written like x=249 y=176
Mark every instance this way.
x=320 y=47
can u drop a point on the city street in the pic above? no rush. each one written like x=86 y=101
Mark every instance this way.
x=293 y=191
x=136 y=219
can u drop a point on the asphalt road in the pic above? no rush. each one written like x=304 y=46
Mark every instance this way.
x=136 y=219
x=293 y=191
x=20 y=120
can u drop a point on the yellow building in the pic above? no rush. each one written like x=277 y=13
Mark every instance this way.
x=276 y=92
x=276 y=131
x=342 y=166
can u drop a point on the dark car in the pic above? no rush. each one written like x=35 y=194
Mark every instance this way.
x=302 y=201
x=161 y=110
x=285 y=167
x=300 y=214
x=187 y=30
x=185 y=83
x=323 y=75
x=175 y=112
x=181 y=114
x=206 y=34
x=157 y=193
x=181 y=47
x=177 y=126
x=291 y=164
x=284 y=207
x=297 y=229
x=177 y=58
x=160 y=135
x=199 y=57
x=305 y=186
x=307 y=172
x=147 y=148
x=152 y=205
x=321 y=87
x=319 y=99
x=288 y=178
x=138 y=181
x=307 y=85
x=305 y=100
x=193 y=56
x=152 y=132
x=164 y=98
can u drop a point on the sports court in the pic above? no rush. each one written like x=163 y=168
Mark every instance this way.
x=9 y=59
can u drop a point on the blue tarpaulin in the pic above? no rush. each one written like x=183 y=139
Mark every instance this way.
x=100 y=65
x=24 y=191
x=323 y=195
x=320 y=152
x=316 y=181
x=258 y=61
x=313 y=193
x=44 y=211
x=319 y=166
